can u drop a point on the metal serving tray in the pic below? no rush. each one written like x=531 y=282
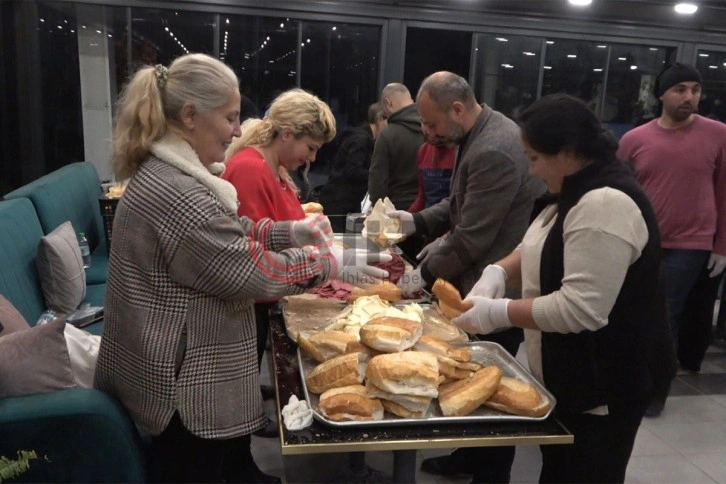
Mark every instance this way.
x=484 y=352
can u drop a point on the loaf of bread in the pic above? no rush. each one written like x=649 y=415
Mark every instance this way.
x=390 y=334
x=385 y=290
x=464 y=396
x=450 y=301
x=350 y=403
x=326 y=344
x=401 y=405
x=339 y=371
x=311 y=208
x=519 y=398
x=405 y=373
x=439 y=347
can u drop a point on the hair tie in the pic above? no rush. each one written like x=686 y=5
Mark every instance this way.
x=162 y=74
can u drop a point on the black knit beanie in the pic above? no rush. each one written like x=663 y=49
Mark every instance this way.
x=675 y=74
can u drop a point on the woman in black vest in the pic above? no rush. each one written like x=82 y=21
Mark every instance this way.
x=593 y=306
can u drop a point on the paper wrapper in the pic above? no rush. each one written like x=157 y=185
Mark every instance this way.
x=380 y=228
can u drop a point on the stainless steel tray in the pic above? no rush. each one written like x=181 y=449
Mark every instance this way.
x=485 y=352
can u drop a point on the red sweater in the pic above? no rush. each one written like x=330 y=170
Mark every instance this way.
x=260 y=193
x=435 y=166
x=683 y=172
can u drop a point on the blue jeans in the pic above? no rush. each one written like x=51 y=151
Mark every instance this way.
x=691 y=295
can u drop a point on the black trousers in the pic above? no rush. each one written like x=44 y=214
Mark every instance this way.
x=177 y=455
x=698 y=312
x=493 y=464
x=602 y=447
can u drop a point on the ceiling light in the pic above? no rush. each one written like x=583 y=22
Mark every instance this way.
x=702 y=55
x=550 y=42
x=686 y=8
x=597 y=69
x=502 y=39
x=713 y=67
x=633 y=68
x=580 y=3
x=547 y=68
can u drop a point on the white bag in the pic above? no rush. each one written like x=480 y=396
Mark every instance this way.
x=366 y=205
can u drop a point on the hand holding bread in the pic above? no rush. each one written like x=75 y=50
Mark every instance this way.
x=450 y=301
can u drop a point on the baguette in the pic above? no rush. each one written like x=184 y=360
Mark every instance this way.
x=326 y=344
x=439 y=347
x=406 y=406
x=390 y=334
x=450 y=301
x=407 y=373
x=350 y=403
x=385 y=290
x=464 y=396
x=518 y=398
x=339 y=371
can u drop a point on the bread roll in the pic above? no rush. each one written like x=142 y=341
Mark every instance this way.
x=450 y=301
x=406 y=406
x=339 y=371
x=390 y=334
x=312 y=208
x=326 y=344
x=464 y=396
x=350 y=403
x=518 y=398
x=407 y=373
x=439 y=347
x=385 y=290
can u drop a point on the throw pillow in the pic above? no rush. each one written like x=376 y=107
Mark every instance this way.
x=35 y=361
x=10 y=318
x=60 y=268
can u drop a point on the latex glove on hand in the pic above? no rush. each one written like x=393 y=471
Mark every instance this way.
x=406 y=219
x=314 y=230
x=492 y=283
x=485 y=317
x=353 y=265
x=430 y=248
x=717 y=263
x=411 y=283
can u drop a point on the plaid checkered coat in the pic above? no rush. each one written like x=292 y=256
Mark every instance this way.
x=183 y=274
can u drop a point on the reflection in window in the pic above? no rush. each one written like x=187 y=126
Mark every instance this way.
x=712 y=66
x=575 y=67
x=630 y=100
x=60 y=83
x=432 y=50
x=161 y=35
x=507 y=72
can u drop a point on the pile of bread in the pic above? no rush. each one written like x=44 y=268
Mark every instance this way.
x=393 y=368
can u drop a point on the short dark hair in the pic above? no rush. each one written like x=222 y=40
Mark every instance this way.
x=560 y=122
x=375 y=113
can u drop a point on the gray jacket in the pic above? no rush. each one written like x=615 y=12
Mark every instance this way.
x=489 y=207
x=184 y=271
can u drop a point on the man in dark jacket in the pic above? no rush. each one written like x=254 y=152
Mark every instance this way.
x=394 y=171
x=348 y=179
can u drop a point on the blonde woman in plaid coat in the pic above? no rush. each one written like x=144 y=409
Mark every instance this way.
x=179 y=343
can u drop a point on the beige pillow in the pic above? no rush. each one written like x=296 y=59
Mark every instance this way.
x=35 y=361
x=60 y=269
x=10 y=318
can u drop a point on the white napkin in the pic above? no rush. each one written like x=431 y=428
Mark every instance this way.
x=296 y=415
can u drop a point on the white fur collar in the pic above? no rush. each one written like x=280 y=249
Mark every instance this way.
x=178 y=153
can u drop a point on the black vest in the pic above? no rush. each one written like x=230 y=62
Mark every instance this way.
x=633 y=355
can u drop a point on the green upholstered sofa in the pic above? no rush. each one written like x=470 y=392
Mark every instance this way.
x=85 y=434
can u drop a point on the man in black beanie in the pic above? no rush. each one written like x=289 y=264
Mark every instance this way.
x=680 y=160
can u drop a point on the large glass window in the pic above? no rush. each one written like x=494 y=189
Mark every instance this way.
x=432 y=50
x=507 y=71
x=712 y=65
x=575 y=67
x=162 y=35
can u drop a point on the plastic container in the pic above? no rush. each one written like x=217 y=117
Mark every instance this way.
x=85 y=250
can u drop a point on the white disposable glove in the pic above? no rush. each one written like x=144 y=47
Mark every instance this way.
x=406 y=218
x=716 y=263
x=353 y=265
x=491 y=284
x=296 y=415
x=430 y=248
x=411 y=282
x=486 y=316
x=314 y=230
